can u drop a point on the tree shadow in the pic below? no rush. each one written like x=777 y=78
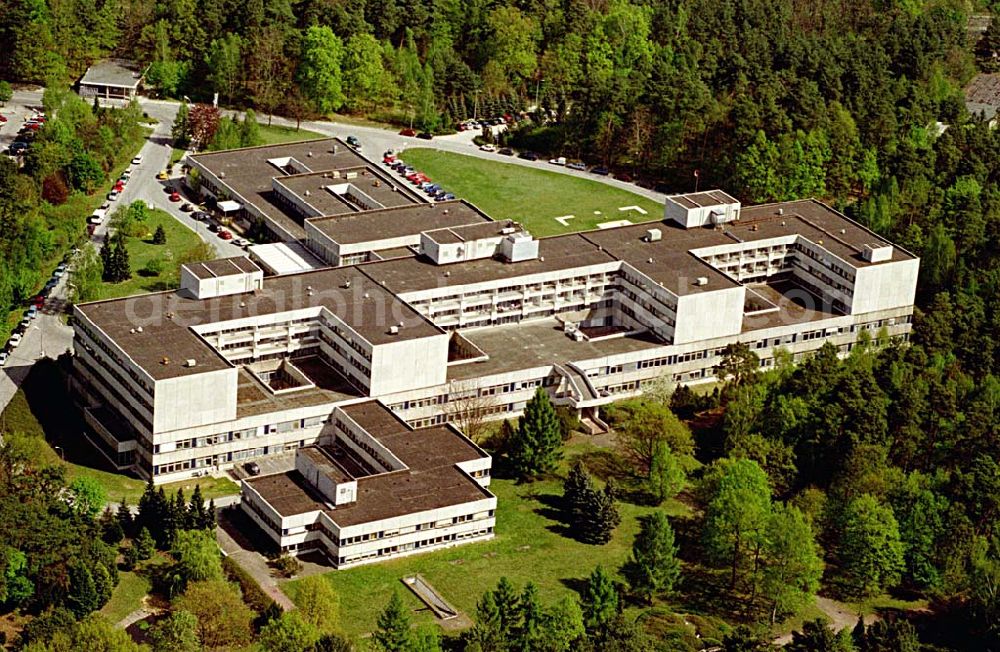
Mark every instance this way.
x=551 y=508
x=576 y=584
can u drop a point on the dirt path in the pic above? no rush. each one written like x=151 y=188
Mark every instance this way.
x=840 y=616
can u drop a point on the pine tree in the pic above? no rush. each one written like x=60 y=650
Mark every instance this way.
x=575 y=489
x=654 y=567
x=393 y=633
x=508 y=605
x=600 y=516
x=125 y=518
x=168 y=528
x=179 y=509
x=82 y=598
x=531 y=616
x=122 y=265
x=210 y=516
x=107 y=263
x=159 y=236
x=485 y=634
x=536 y=444
x=196 y=510
x=103 y=584
x=600 y=600
x=144 y=544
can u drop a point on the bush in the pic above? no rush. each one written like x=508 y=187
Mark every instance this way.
x=253 y=594
x=153 y=267
x=287 y=565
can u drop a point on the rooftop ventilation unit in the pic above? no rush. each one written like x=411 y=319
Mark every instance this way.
x=394 y=330
x=190 y=362
x=138 y=329
x=781 y=211
x=507 y=230
x=654 y=235
x=701 y=280
x=347 y=284
x=877 y=253
x=222 y=175
x=309 y=154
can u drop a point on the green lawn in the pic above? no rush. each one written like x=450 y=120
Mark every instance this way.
x=180 y=240
x=53 y=436
x=127 y=596
x=276 y=134
x=531 y=196
x=530 y=545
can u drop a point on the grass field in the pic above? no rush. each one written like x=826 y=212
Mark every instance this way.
x=127 y=596
x=30 y=420
x=531 y=196
x=531 y=544
x=180 y=240
x=276 y=134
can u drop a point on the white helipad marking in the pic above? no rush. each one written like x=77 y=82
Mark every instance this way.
x=564 y=220
x=638 y=209
x=613 y=224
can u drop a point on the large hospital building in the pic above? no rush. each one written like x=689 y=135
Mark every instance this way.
x=376 y=318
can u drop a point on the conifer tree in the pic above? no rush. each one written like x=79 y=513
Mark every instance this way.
x=179 y=509
x=535 y=448
x=575 y=489
x=507 y=602
x=600 y=516
x=103 y=584
x=210 y=515
x=653 y=567
x=144 y=544
x=82 y=598
x=600 y=600
x=107 y=264
x=125 y=518
x=529 y=634
x=196 y=511
x=393 y=633
x=159 y=236
x=485 y=634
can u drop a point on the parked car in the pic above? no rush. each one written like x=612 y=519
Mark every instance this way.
x=201 y=216
x=528 y=156
x=137 y=159
x=354 y=142
x=624 y=176
x=162 y=174
x=601 y=170
x=32 y=312
x=488 y=148
x=14 y=340
x=506 y=151
x=425 y=135
x=3 y=358
x=560 y=160
x=175 y=196
x=213 y=227
x=407 y=132
x=447 y=196
x=225 y=235
x=18 y=147
x=577 y=165
x=252 y=468
x=187 y=207
x=38 y=301
x=243 y=243
x=113 y=195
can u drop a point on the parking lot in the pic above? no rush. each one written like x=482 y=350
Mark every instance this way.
x=16 y=111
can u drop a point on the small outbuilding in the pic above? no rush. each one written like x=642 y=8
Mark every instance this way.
x=112 y=79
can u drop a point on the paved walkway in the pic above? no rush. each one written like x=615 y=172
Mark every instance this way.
x=236 y=546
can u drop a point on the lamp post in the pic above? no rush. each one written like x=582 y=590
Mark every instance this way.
x=538 y=87
x=62 y=453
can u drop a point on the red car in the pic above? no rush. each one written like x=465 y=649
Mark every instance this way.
x=119 y=185
x=389 y=159
x=175 y=196
x=417 y=177
x=408 y=132
x=225 y=235
x=38 y=301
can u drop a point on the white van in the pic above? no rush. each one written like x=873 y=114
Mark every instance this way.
x=97 y=216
